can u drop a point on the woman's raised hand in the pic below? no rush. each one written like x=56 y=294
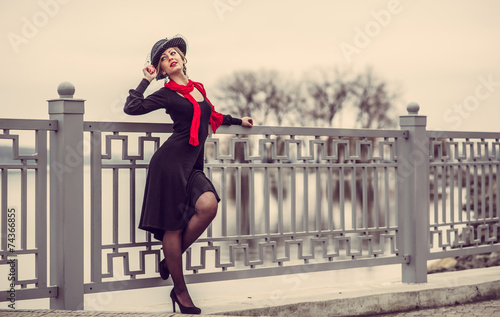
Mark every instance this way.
x=149 y=72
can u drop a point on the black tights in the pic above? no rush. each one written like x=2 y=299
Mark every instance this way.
x=176 y=242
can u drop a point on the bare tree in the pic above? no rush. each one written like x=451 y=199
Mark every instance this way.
x=273 y=98
x=265 y=95
x=327 y=92
x=373 y=100
x=237 y=93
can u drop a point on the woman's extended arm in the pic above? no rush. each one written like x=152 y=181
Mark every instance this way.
x=244 y=122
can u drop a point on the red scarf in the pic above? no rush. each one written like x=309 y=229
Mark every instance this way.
x=185 y=90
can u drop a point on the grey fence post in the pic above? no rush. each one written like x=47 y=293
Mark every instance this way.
x=413 y=189
x=66 y=199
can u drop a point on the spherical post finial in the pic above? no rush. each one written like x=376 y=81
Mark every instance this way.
x=66 y=90
x=413 y=108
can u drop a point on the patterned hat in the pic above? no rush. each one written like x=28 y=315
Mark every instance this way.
x=161 y=46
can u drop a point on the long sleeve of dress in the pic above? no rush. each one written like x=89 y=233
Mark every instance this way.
x=136 y=104
x=228 y=120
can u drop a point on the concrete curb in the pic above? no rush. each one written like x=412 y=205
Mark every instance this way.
x=383 y=303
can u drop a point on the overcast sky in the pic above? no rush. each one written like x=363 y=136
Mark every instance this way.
x=445 y=55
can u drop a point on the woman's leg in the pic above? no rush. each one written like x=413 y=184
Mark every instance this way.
x=206 y=209
x=172 y=249
x=176 y=242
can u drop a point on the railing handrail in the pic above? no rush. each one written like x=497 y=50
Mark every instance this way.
x=28 y=124
x=103 y=126
x=463 y=134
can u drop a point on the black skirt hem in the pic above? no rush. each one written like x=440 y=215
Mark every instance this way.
x=197 y=185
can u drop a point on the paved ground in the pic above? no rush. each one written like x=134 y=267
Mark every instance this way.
x=463 y=293
x=483 y=309
x=52 y=313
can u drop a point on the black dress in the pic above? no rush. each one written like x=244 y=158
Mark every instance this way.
x=175 y=178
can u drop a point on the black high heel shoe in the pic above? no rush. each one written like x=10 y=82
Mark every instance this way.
x=164 y=273
x=185 y=310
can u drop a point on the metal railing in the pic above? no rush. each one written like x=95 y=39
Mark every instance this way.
x=464 y=215
x=23 y=203
x=294 y=200
x=276 y=200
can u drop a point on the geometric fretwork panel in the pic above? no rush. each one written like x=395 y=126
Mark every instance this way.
x=287 y=198
x=298 y=199
x=257 y=252
x=464 y=191
x=471 y=235
x=23 y=206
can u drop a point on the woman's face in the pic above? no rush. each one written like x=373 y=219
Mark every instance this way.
x=171 y=61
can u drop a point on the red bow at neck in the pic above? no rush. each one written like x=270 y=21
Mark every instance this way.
x=185 y=90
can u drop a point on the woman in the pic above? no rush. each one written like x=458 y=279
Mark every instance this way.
x=179 y=200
